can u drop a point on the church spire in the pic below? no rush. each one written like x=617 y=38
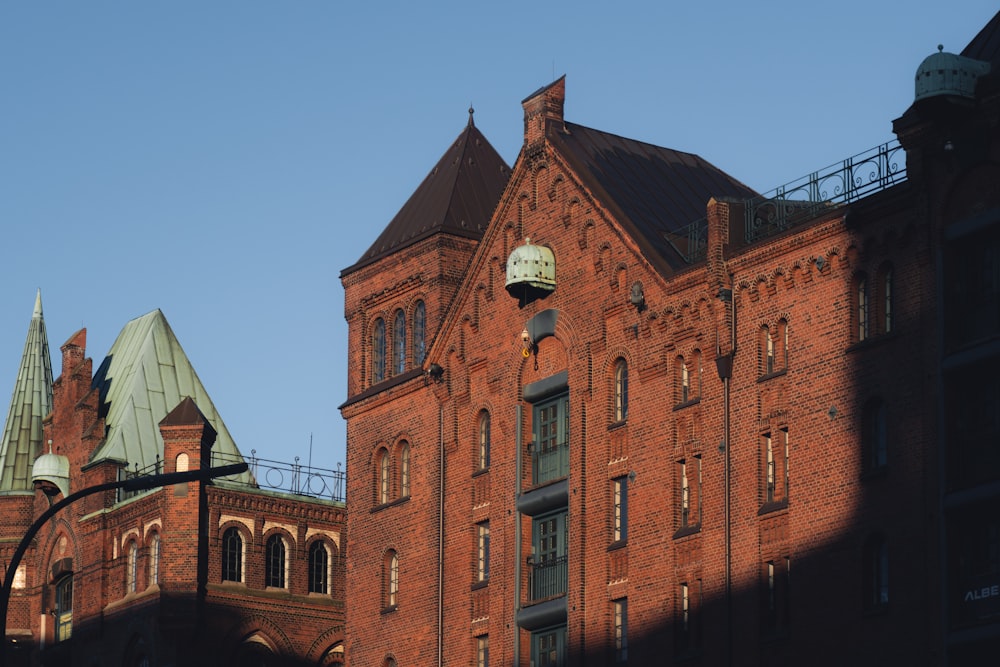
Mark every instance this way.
x=31 y=401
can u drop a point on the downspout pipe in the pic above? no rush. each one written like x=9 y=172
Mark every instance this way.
x=440 y=573
x=724 y=365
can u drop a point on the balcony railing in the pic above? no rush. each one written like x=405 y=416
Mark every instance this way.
x=547 y=578
x=549 y=462
x=847 y=181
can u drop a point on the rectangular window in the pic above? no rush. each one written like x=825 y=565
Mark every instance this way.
x=548 y=648
x=483 y=551
x=550 y=451
x=483 y=651
x=621 y=631
x=775 y=597
x=689 y=494
x=548 y=563
x=774 y=455
x=619 y=492
x=686 y=619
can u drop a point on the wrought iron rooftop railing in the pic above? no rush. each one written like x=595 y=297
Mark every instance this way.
x=847 y=181
x=124 y=473
x=302 y=480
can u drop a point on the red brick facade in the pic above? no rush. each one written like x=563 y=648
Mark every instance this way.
x=145 y=571
x=808 y=359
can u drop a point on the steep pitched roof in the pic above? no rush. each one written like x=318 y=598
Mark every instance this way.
x=145 y=376
x=29 y=404
x=656 y=190
x=457 y=197
x=986 y=44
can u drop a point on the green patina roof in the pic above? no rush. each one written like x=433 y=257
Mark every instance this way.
x=145 y=376
x=29 y=404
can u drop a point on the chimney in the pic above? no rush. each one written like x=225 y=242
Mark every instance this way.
x=541 y=107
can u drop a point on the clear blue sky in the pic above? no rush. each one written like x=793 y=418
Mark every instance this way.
x=224 y=160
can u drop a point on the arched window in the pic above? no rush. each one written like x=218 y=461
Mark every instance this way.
x=484 y=440
x=876 y=573
x=399 y=343
x=884 y=299
x=404 y=470
x=768 y=341
x=382 y=481
x=154 y=559
x=419 y=333
x=861 y=307
x=873 y=435
x=319 y=568
x=621 y=391
x=378 y=351
x=64 y=608
x=131 y=567
x=775 y=348
x=275 y=551
x=683 y=381
x=232 y=555
x=390 y=578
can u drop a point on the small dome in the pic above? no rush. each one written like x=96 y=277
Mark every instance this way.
x=50 y=472
x=531 y=271
x=948 y=74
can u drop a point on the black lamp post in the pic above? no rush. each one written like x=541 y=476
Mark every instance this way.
x=132 y=484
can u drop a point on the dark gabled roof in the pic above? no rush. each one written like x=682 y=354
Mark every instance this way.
x=658 y=190
x=986 y=45
x=457 y=197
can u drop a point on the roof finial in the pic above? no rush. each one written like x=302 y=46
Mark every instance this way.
x=471 y=111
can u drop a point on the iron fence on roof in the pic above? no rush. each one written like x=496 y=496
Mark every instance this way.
x=303 y=480
x=155 y=468
x=847 y=181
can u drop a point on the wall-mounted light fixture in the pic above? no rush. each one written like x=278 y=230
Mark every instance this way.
x=435 y=372
x=528 y=346
x=636 y=297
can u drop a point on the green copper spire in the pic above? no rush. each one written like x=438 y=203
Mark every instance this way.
x=29 y=404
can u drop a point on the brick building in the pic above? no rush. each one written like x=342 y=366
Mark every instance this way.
x=611 y=406
x=226 y=572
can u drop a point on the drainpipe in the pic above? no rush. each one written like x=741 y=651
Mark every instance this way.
x=440 y=592
x=519 y=467
x=724 y=365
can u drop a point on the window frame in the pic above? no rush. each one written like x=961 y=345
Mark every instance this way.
x=319 y=559
x=383 y=477
x=131 y=567
x=419 y=332
x=620 y=391
x=483 y=552
x=63 y=609
x=378 y=351
x=876 y=573
x=276 y=561
x=619 y=511
x=154 y=559
x=390 y=581
x=775 y=460
x=405 y=478
x=483 y=651
x=398 y=342
x=233 y=559
x=484 y=440
x=862 y=308
x=620 y=626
